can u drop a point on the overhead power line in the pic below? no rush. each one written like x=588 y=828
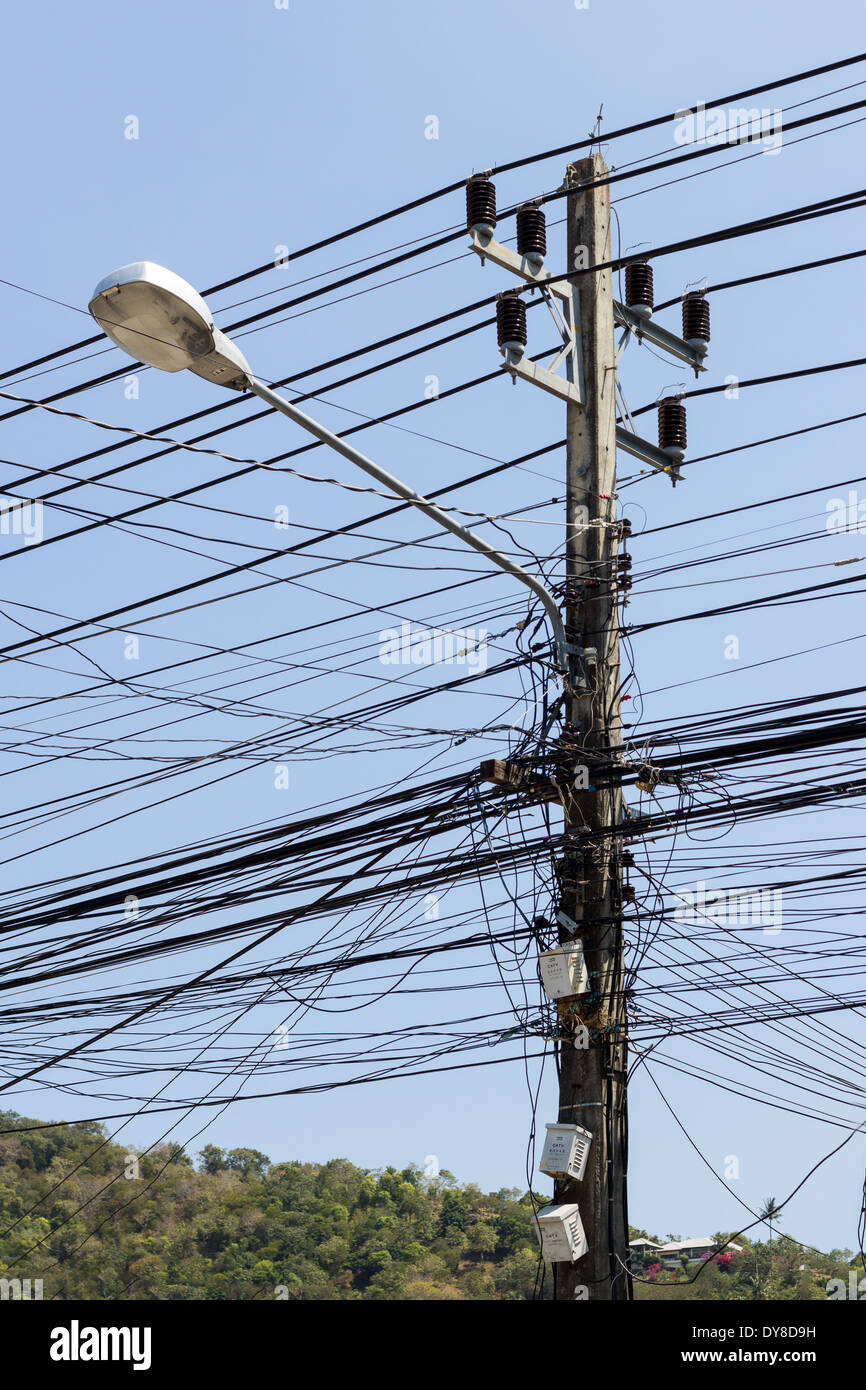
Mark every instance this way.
x=446 y=189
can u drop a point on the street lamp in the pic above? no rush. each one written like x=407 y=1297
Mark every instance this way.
x=158 y=318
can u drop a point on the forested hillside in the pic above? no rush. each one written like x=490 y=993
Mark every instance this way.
x=236 y=1226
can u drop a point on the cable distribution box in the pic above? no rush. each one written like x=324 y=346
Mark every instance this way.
x=563 y=971
x=561 y=1233
x=566 y=1150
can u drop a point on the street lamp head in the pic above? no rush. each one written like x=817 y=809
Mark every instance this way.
x=154 y=315
x=159 y=319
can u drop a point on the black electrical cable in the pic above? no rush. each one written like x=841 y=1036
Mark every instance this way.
x=447 y=189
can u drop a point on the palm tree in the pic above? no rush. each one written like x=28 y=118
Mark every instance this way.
x=770 y=1212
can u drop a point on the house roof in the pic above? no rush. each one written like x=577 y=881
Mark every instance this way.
x=675 y=1247
x=653 y=1244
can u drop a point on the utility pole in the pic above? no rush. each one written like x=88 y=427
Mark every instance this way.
x=584 y=1232
x=592 y=1091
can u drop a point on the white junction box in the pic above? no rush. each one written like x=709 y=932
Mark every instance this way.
x=561 y=1233
x=566 y=1150
x=563 y=971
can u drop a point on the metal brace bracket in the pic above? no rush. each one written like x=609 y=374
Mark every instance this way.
x=566 y=315
x=541 y=376
x=630 y=442
x=648 y=453
x=658 y=336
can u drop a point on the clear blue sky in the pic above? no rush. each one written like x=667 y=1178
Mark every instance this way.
x=260 y=127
